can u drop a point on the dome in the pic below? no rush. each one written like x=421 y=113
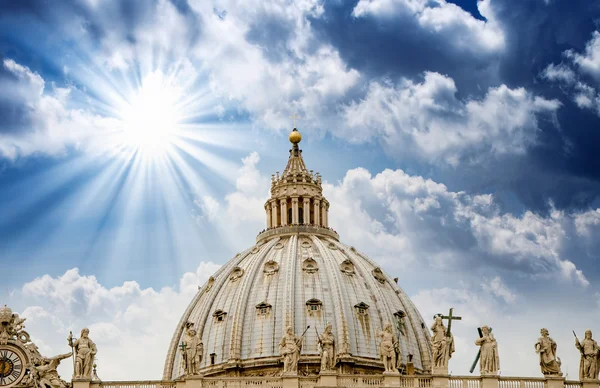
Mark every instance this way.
x=298 y=274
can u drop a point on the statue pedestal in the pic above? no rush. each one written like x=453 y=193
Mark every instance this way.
x=440 y=370
x=440 y=377
x=81 y=382
x=590 y=383
x=328 y=378
x=555 y=381
x=410 y=368
x=289 y=380
x=194 y=381
x=391 y=379
x=489 y=381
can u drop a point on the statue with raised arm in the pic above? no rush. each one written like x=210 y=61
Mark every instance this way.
x=590 y=356
x=546 y=348
x=289 y=348
x=388 y=347
x=327 y=346
x=489 y=362
x=85 y=350
x=45 y=374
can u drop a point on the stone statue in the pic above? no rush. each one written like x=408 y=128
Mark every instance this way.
x=590 y=357
x=546 y=348
x=442 y=344
x=45 y=374
x=489 y=362
x=193 y=351
x=289 y=348
x=85 y=350
x=327 y=345
x=388 y=348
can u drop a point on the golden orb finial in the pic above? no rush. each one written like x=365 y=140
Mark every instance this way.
x=295 y=136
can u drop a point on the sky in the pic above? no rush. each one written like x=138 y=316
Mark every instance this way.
x=457 y=141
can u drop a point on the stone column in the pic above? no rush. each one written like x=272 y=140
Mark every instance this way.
x=317 y=214
x=295 y=214
x=274 y=213
x=306 y=210
x=324 y=211
x=283 y=203
x=555 y=382
x=269 y=217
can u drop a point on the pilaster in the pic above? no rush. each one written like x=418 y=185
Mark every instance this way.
x=306 y=210
x=317 y=213
x=295 y=210
x=274 y=214
x=269 y=217
x=283 y=203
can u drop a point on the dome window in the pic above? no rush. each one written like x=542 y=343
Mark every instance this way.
x=347 y=267
x=236 y=274
x=263 y=308
x=310 y=265
x=378 y=274
x=271 y=267
x=313 y=305
x=219 y=315
x=362 y=308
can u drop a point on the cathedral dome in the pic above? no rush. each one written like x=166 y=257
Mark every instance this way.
x=298 y=274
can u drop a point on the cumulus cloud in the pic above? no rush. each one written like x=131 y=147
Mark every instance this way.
x=446 y=19
x=430 y=120
x=122 y=320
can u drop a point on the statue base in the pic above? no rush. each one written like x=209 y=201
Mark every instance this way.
x=391 y=379
x=81 y=382
x=290 y=380
x=489 y=380
x=555 y=381
x=590 y=383
x=327 y=378
x=440 y=370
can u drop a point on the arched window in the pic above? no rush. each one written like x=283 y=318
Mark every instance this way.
x=300 y=215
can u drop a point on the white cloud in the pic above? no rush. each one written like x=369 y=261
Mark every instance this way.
x=122 y=320
x=589 y=61
x=560 y=72
x=429 y=119
x=448 y=20
x=496 y=287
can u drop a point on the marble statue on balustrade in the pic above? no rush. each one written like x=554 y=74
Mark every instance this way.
x=44 y=374
x=327 y=347
x=442 y=343
x=546 y=348
x=389 y=349
x=193 y=350
x=489 y=361
x=85 y=351
x=289 y=349
x=589 y=364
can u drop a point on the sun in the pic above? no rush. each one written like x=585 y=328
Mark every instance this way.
x=151 y=117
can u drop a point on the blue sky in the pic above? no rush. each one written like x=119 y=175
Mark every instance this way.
x=458 y=143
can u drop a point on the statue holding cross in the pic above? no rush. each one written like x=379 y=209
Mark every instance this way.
x=442 y=341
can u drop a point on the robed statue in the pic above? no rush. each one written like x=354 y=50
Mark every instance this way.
x=489 y=361
x=590 y=357
x=327 y=347
x=193 y=349
x=546 y=348
x=289 y=348
x=442 y=343
x=389 y=348
x=85 y=350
